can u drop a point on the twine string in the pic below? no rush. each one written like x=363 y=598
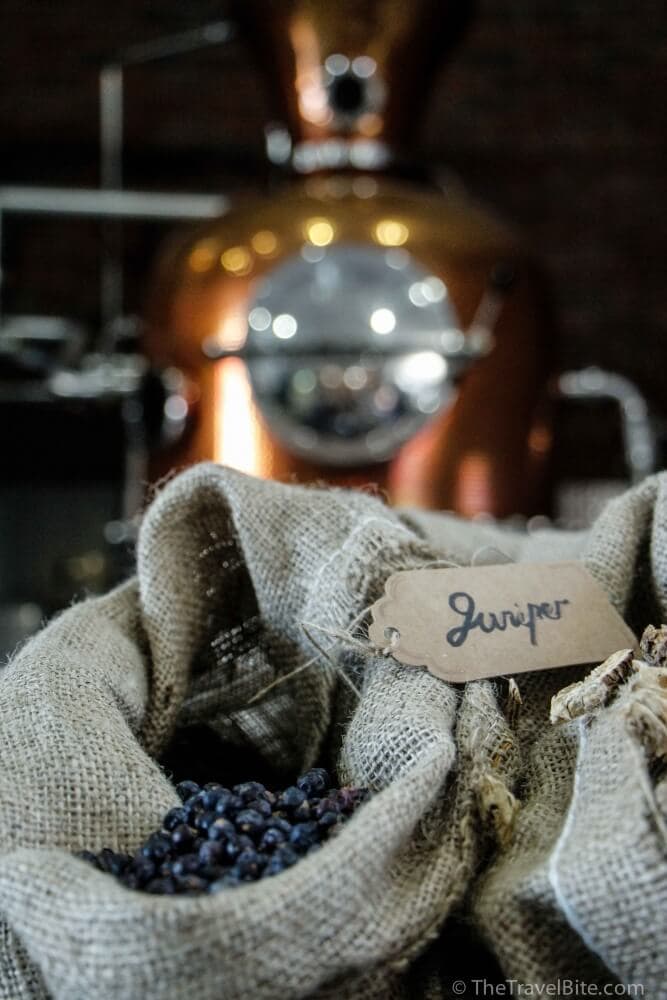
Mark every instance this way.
x=339 y=670
x=363 y=644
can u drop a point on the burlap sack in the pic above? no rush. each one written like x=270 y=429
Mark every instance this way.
x=579 y=894
x=228 y=568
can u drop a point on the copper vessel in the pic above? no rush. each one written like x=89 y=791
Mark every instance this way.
x=357 y=327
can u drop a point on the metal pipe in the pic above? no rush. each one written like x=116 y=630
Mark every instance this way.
x=111 y=126
x=111 y=204
x=2 y=273
x=192 y=40
x=91 y=203
x=111 y=176
x=639 y=441
x=111 y=87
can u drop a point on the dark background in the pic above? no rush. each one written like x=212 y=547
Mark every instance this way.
x=551 y=111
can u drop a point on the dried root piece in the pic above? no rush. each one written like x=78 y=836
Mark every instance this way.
x=502 y=752
x=654 y=645
x=497 y=806
x=513 y=704
x=646 y=712
x=595 y=690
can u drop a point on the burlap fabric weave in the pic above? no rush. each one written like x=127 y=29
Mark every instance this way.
x=579 y=896
x=228 y=569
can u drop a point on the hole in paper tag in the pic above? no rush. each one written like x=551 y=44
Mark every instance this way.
x=484 y=621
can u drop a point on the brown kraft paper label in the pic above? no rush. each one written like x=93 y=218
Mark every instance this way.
x=474 y=622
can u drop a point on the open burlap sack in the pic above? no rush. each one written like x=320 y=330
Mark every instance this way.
x=228 y=569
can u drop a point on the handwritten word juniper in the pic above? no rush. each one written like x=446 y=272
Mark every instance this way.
x=491 y=621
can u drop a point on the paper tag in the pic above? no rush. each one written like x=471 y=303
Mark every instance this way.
x=474 y=622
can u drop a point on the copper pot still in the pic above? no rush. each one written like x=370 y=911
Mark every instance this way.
x=356 y=327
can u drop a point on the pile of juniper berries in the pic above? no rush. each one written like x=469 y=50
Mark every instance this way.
x=221 y=837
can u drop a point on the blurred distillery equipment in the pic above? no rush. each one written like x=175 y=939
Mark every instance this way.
x=365 y=323
x=83 y=410
x=80 y=416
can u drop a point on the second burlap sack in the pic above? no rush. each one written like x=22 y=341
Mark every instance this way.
x=577 y=896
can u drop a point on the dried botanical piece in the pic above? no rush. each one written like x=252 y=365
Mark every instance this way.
x=654 y=645
x=645 y=708
x=513 y=704
x=646 y=712
x=595 y=690
x=502 y=752
x=497 y=806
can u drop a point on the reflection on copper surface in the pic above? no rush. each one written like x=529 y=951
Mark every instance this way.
x=320 y=232
x=237 y=260
x=370 y=124
x=364 y=187
x=203 y=257
x=474 y=488
x=391 y=233
x=236 y=440
x=284 y=326
x=231 y=333
x=264 y=242
x=312 y=95
x=382 y=321
x=540 y=440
